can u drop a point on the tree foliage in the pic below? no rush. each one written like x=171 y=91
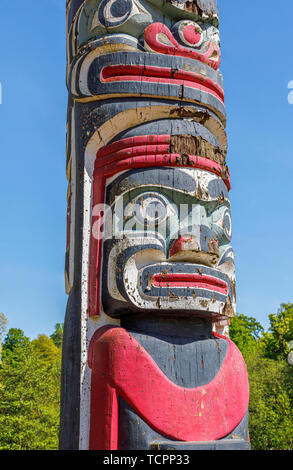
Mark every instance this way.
x=46 y=350
x=271 y=400
x=270 y=378
x=245 y=332
x=57 y=336
x=280 y=333
x=29 y=393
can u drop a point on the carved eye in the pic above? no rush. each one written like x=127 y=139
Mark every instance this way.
x=149 y=209
x=113 y=13
x=222 y=224
x=189 y=32
x=227 y=224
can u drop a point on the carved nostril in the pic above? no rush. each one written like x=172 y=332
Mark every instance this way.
x=186 y=243
x=189 y=250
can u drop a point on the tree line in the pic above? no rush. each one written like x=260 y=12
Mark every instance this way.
x=270 y=377
x=30 y=376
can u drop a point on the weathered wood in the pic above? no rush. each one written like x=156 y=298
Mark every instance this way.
x=147 y=361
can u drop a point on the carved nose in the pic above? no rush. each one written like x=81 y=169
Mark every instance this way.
x=190 y=249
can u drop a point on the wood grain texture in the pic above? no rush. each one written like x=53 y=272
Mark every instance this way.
x=150 y=271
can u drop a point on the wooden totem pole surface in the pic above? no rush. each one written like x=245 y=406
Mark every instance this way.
x=147 y=361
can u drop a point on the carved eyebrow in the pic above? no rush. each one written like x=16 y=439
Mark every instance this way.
x=165 y=178
x=162 y=178
x=174 y=197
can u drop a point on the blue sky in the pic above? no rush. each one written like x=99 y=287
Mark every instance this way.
x=257 y=66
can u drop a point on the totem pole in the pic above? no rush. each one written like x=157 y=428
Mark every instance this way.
x=147 y=359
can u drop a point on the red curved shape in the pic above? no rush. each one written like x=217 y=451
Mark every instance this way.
x=152 y=35
x=190 y=280
x=155 y=150
x=116 y=73
x=205 y=413
x=146 y=158
x=120 y=162
x=137 y=141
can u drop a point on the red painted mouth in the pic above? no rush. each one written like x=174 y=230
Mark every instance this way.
x=197 y=281
x=141 y=73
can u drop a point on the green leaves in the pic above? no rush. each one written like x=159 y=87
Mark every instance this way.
x=244 y=332
x=57 y=336
x=29 y=393
x=280 y=333
x=271 y=400
x=270 y=377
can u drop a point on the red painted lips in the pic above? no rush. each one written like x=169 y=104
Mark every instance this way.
x=146 y=73
x=184 y=280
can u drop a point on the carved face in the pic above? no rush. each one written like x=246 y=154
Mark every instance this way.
x=172 y=248
x=193 y=23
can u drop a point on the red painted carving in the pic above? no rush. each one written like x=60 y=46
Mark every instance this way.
x=190 y=280
x=192 y=35
x=160 y=39
x=118 y=73
x=121 y=366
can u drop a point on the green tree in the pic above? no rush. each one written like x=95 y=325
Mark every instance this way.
x=29 y=393
x=14 y=341
x=15 y=338
x=270 y=379
x=57 y=336
x=245 y=332
x=276 y=340
x=271 y=402
x=46 y=349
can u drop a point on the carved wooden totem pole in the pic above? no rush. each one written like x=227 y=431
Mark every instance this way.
x=147 y=361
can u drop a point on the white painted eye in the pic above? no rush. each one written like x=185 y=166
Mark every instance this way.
x=227 y=224
x=222 y=223
x=113 y=13
x=149 y=209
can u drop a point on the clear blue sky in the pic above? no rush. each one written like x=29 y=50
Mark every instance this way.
x=257 y=65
